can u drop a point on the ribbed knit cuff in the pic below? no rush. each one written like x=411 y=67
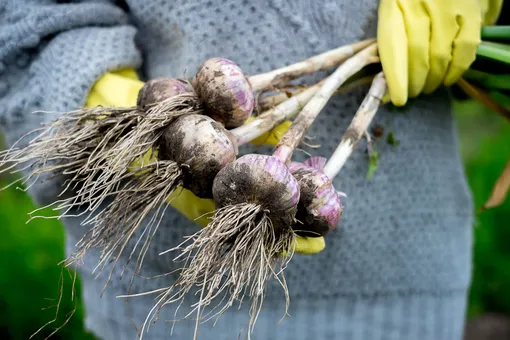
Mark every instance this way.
x=409 y=316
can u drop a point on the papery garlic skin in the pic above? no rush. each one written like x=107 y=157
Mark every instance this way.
x=319 y=207
x=202 y=147
x=157 y=90
x=225 y=92
x=262 y=180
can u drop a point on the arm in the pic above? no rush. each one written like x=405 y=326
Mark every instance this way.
x=50 y=56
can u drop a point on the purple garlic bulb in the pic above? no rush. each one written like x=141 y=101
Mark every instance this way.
x=159 y=89
x=202 y=147
x=319 y=208
x=225 y=92
x=262 y=180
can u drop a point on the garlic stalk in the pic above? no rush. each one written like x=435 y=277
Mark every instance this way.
x=358 y=126
x=319 y=62
x=256 y=198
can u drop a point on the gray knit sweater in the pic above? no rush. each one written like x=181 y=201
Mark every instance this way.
x=398 y=266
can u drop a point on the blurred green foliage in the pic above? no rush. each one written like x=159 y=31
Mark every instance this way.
x=29 y=253
x=30 y=275
x=485 y=146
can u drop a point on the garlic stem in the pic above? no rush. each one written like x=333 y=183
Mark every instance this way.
x=271 y=118
x=304 y=120
x=358 y=126
x=268 y=102
x=282 y=76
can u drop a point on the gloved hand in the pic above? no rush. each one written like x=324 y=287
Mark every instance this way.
x=120 y=89
x=436 y=39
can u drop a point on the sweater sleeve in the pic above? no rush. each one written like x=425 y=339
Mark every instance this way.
x=50 y=56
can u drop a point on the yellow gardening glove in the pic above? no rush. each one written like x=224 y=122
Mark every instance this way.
x=491 y=9
x=120 y=89
x=427 y=43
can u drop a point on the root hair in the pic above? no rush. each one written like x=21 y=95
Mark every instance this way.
x=63 y=147
x=106 y=172
x=93 y=148
x=231 y=258
x=145 y=193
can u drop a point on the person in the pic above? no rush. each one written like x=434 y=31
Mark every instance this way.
x=399 y=264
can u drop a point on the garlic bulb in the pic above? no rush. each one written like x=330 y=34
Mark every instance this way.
x=225 y=92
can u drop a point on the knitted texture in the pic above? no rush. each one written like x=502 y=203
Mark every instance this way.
x=398 y=266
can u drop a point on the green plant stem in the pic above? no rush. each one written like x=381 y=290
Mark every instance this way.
x=494 y=51
x=488 y=80
x=496 y=33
